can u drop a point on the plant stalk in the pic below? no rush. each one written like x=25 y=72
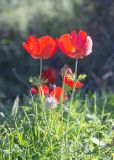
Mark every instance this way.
x=76 y=67
x=40 y=68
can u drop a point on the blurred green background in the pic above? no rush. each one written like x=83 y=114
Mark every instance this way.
x=20 y=18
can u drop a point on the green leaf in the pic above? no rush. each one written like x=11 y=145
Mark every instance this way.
x=82 y=77
x=15 y=107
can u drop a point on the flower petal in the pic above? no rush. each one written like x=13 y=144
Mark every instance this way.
x=74 y=38
x=65 y=43
x=57 y=92
x=56 y=47
x=44 y=90
x=50 y=75
x=31 y=41
x=47 y=46
x=88 y=46
x=68 y=81
x=25 y=46
x=35 y=50
x=34 y=91
x=79 y=84
x=82 y=37
x=71 y=82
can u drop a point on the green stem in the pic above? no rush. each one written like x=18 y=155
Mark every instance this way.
x=76 y=76
x=40 y=68
x=72 y=96
x=76 y=66
x=62 y=97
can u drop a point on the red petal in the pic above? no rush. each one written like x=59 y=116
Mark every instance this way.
x=56 y=46
x=65 y=43
x=68 y=81
x=47 y=46
x=57 y=93
x=71 y=83
x=74 y=38
x=49 y=74
x=79 y=84
x=32 y=46
x=25 y=46
x=67 y=47
x=44 y=90
x=82 y=37
x=61 y=46
x=31 y=41
x=34 y=90
x=35 y=50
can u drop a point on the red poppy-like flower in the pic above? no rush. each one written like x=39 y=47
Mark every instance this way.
x=50 y=75
x=40 y=48
x=43 y=90
x=57 y=92
x=76 y=45
x=71 y=82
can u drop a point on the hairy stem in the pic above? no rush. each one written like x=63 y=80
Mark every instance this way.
x=40 y=68
x=76 y=66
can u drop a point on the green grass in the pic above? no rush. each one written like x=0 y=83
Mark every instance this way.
x=37 y=133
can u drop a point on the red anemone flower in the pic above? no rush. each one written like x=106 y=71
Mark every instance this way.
x=76 y=45
x=71 y=82
x=40 y=48
x=57 y=92
x=50 y=75
x=43 y=90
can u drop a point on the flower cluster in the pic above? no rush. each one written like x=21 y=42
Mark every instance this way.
x=74 y=45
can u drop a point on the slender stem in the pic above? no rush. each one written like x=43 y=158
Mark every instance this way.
x=72 y=96
x=62 y=97
x=40 y=68
x=76 y=76
x=76 y=65
x=62 y=101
